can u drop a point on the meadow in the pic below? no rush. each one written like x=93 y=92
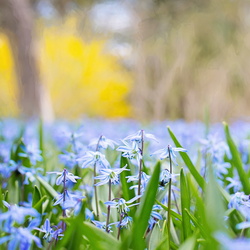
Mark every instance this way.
x=100 y=184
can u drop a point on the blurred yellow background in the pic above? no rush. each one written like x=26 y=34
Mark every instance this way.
x=80 y=76
x=149 y=60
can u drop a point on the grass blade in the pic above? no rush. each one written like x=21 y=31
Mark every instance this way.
x=185 y=204
x=144 y=210
x=237 y=160
x=50 y=190
x=126 y=191
x=201 y=182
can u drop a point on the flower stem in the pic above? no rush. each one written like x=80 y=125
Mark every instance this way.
x=176 y=204
x=64 y=199
x=169 y=196
x=95 y=189
x=119 y=228
x=108 y=212
x=140 y=167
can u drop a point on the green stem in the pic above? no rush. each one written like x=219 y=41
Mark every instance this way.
x=64 y=199
x=140 y=167
x=95 y=188
x=108 y=212
x=119 y=228
x=169 y=196
x=176 y=204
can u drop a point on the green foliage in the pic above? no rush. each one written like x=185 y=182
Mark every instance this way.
x=197 y=214
x=185 y=205
x=126 y=191
x=188 y=162
x=236 y=161
x=144 y=210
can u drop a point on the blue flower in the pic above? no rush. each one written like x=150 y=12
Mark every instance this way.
x=32 y=152
x=65 y=175
x=165 y=177
x=29 y=173
x=164 y=153
x=131 y=151
x=50 y=233
x=241 y=202
x=101 y=225
x=16 y=214
x=137 y=137
x=91 y=158
x=68 y=159
x=155 y=216
x=6 y=169
x=144 y=180
x=122 y=205
x=88 y=214
x=214 y=146
x=21 y=237
x=232 y=244
x=109 y=174
x=68 y=200
x=234 y=183
x=102 y=142
x=124 y=223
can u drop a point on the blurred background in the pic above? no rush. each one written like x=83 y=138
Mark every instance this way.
x=142 y=59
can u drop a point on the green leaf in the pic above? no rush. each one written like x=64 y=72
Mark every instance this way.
x=214 y=209
x=39 y=205
x=36 y=195
x=154 y=238
x=73 y=236
x=78 y=231
x=99 y=239
x=6 y=196
x=199 y=179
x=236 y=159
x=41 y=143
x=189 y=244
x=185 y=204
x=1 y=199
x=126 y=191
x=197 y=223
x=144 y=210
x=173 y=213
x=51 y=191
x=214 y=213
x=163 y=245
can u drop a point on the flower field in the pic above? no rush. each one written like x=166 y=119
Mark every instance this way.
x=100 y=184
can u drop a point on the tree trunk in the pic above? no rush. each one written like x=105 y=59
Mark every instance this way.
x=17 y=20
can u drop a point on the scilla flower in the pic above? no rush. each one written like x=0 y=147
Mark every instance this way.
x=101 y=225
x=68 y=200
x=155 y=216
x=165 y=177
x=102 y=142
x=131 y=151
x=144 y=180
x=138 y=136
x=32 y=152
x=50 y=233
x=16 y=214
x=164 y=153
x=241 y=202
x=121 y=204
x=20 y=237
x=109 y=174
x=65 y=176
x=91 y=158
x=124 y=222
